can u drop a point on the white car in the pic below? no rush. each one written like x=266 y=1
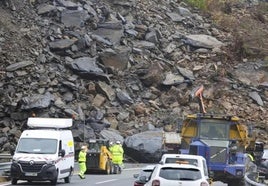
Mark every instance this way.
x=177 y=175
x=196 y=160
x=145 y=171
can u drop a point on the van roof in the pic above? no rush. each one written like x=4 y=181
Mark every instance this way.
x=42 y=133
x=49 y=122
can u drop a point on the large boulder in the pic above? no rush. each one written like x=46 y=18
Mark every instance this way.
x=145 y=147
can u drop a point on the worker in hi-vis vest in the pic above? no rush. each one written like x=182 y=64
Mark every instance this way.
x=118 y=154
x=82 y=157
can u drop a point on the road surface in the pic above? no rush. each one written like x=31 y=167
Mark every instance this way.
x=124 y=179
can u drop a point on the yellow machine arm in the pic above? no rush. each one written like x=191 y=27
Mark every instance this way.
x=198 y=92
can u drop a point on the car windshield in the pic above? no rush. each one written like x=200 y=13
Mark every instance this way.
x=37 y=146
x=171 y=173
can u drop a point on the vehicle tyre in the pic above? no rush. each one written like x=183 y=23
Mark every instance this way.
x=68 y=179
x=54 y=181
x=116 y=169
x=112 y=168
x=14 y=181
x=108 y=168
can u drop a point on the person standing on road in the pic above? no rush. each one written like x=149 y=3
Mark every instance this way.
x=118 y=154
x=250 y=165
x=82 y=157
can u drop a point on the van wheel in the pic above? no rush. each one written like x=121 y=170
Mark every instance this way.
x=14 y=181
x=68 y=179
x=54 y=181
x=108 y=168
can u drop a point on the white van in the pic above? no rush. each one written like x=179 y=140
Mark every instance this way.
x=45 y=152
x=196 y=160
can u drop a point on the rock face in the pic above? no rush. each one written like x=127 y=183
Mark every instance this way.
x=125 y=65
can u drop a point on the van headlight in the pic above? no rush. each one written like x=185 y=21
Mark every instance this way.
x=51 y=162
x=14 y=160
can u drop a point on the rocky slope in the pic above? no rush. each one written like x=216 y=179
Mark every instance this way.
x=130 y=65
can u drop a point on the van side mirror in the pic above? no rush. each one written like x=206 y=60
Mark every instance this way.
x=62 y=153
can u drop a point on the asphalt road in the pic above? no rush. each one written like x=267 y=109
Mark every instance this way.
x=124 y=179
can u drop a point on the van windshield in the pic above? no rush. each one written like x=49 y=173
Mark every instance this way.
x=37 y=146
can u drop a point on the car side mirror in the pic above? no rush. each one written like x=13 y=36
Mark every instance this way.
x=62 y=153
x=143 y=179
x=135 y=175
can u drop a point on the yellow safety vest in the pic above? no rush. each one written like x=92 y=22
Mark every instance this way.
x=82 y=156
x=250 y=157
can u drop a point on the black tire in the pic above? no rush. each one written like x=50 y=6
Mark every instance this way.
x=68 y=179
x=108 y=168
x=54 y=181
x=116 y=169
x=14 y=181
x=112 y=168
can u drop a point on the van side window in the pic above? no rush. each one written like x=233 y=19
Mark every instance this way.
x=60 y=145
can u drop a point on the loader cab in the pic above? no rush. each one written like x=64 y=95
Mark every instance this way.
x=213 y=129
x=99 y=158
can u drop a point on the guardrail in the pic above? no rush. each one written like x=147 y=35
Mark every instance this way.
x=252 y=179
x=5 y=157
x=5 y=164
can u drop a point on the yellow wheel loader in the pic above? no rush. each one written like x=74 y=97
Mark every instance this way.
x=99 y=158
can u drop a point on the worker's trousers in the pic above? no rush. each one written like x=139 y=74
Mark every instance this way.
x=82 y=168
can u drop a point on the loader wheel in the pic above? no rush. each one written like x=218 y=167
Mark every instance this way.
x=112 y=168
x=108 y=167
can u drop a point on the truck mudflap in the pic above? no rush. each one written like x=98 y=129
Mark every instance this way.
x=35 y=173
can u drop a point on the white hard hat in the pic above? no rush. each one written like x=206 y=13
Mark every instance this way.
x=111 y=143
x=84 y=147
x=117 y=142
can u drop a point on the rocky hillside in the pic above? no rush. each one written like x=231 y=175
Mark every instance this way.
x=129 y=65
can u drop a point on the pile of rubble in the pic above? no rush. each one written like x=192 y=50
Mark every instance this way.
x=127 y=65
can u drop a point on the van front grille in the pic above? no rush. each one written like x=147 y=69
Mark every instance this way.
x=31 y=166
